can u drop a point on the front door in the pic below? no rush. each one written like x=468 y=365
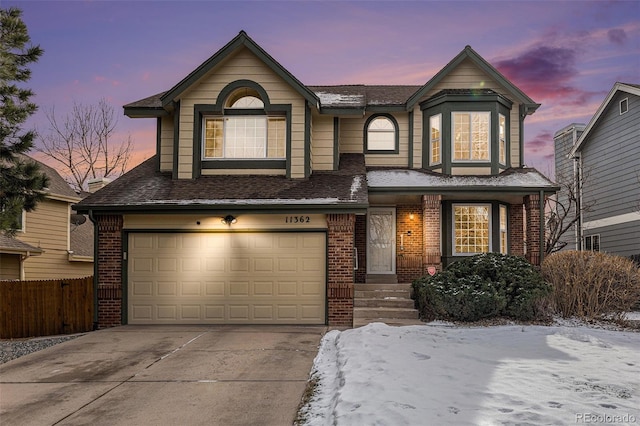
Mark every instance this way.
x=381 y=240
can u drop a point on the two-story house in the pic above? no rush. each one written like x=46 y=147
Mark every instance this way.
x=602 y=161
x=268 y=199
x=51 y=242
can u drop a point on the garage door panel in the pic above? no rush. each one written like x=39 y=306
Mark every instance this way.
x=227 y=278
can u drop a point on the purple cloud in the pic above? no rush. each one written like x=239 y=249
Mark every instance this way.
x=617 y=36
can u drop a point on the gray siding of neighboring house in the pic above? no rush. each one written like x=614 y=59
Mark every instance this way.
x=611 y=159
x=622 y=239
x=564 y=140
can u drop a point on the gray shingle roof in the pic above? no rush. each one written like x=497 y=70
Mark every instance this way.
x=12 y=245
x=144 y=187
x=57 y=185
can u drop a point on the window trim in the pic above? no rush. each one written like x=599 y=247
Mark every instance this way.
x=624 y=101
x=200 y=111
x=454 y=252
x=396 y=148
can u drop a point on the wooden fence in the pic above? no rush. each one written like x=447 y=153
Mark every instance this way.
x=45 y=308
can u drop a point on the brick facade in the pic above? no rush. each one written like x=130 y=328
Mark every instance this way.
x=516 y=230
x=431 y=208
x=532 y=206
x=341 y=229
x=109 y=270
x=409 y=243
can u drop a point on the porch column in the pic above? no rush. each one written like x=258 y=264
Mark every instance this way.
x=341 y=229
x=532 y=206
x=109 y=270
x=516 y=229
x=431 y=231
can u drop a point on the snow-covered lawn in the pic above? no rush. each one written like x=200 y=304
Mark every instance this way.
x=441 y=374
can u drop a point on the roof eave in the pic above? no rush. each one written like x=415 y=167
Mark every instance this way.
x=616 y=87
x=241 y=40
x=416 y=190
x=471 y=54
x=146 y=112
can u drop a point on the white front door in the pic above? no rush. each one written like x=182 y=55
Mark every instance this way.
x=381 y=240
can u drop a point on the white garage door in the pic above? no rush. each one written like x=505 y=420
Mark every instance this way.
x=226 y=278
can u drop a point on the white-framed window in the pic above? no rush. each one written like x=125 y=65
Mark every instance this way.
x=471 y=229
x=503 y=230
x=471 y=135
x=239 y=136
x=435 y=138
x=502 y=141
x=624 y=105
x=592 y=242
x=381 y=134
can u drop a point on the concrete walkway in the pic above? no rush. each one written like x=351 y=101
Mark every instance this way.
x=163 y=375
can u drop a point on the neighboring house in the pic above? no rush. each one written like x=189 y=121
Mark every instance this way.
x=606 y=159
x=268 y=199
x=52 y=242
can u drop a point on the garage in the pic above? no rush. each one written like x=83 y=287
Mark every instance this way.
x=226 y=278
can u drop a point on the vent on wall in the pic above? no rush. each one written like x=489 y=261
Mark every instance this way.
x=624 y=105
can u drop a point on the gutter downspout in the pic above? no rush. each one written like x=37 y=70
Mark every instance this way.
x=95 y=269
x=579 y=204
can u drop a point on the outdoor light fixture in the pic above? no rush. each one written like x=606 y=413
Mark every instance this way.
x=229 y=219
x=411 y=216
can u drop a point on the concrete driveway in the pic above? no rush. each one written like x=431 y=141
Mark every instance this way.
x=163 y=375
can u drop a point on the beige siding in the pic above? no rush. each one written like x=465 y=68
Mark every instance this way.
x=468 y=76
x=465 y=171
x=322 y=143
x=206 y=222
x=417 y=138
x=240 y=65
x=352 y=134
x=166 y=144
x=9 y=266
x=47 y=227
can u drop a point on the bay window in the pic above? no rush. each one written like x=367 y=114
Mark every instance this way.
x=503 y=229
x=435 y=122
x=471 y=229
x=502 y=142
x=471 y=136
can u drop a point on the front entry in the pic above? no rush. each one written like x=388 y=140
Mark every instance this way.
x=381 y=240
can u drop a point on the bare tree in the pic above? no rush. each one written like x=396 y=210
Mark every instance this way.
x=564 y=211
x=82 y=142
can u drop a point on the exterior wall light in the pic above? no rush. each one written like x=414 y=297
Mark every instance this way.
x=411 y=216
x=229 y=219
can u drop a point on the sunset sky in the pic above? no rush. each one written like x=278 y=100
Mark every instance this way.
x=565 y=55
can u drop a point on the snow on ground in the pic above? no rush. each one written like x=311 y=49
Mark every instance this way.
x=440 y=374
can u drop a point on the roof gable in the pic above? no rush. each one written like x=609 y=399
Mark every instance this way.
x=241 y=40
x=632 y=89
x=481 y=63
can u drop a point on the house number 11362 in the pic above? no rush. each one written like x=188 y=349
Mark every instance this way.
x=297 y=219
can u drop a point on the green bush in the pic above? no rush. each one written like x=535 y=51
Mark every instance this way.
x=483 y=286
x=592 y=285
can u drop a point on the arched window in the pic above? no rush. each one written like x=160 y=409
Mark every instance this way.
x=381 y=134
x=245 y=130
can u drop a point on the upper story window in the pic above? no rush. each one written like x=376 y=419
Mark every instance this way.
x=502 y=142
x=244 y=131
x=435 y=138
x=471 y=135
x=466 y=128
x=381 y=134
x=624 y=105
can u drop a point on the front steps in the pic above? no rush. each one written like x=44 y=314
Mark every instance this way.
x=387 y=303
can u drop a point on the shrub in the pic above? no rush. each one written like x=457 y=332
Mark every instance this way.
x=483 y=286
x=592 y=285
